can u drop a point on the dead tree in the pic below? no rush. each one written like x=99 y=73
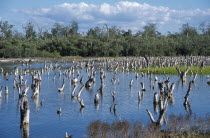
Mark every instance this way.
x=155 y=100
x=171 y=90
x=196 y=73
x=163 y=107
x=24 y=130
x=62 y=87
x=139 y=95
x=101 y=88
x=24 y=110
x=73 y=91
x=115 y=109
x=6 y=90
x=186 y=102
x=183 y=75
x=81 y=79
x=143 y=88
x=96 y=99
x=1 y=91
x=89 y=82
x=202 y=65
x=131 y=83
x=161 y=87
x=74 y=81
x=36 y=91
x=81 y=103
x=113 y=95
x=80 y=91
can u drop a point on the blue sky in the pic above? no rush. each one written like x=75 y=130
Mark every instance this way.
x=169 y=15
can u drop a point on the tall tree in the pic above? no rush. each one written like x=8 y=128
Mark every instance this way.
x=5 y=30
x=30 y=33
x=150 y=30
x=188 y=30
x=57 y=30
x=74 y=28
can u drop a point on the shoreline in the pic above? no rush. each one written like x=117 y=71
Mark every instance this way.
x=71 y=59
x=36 y=59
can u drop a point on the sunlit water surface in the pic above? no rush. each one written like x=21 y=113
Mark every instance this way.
x=45 y=122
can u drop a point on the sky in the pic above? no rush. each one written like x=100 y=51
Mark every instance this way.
x=168 y=15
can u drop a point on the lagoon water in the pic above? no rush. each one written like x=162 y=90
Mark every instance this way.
x=45 y=122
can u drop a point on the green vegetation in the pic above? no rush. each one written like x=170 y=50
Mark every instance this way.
x=60 y=40
x=173 y=71
x=71 y=57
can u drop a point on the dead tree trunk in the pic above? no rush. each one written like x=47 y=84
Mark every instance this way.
x=24 y=130
x=101 y=88
x=196 y=73
x=80 y=91
x=183 y=75
x=73 y=91
x=162 y=113
x=156 y=100
x=81 y=103
x=186 y=102
x=24 y=111
x=161 y=87
x=62 y=87
x=171 y=90
x=96 y=99
x=89 y=82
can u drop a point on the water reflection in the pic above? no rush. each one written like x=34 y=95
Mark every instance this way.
x=24 y=130
x=97 y=106
x=117 y=99
x=0 y=102
x=188 y=108
x=6 y=97
x=171 y=100
x=81 y=109
x=156 y=108
x=36 y=102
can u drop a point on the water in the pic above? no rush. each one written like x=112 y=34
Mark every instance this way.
x=45 y=122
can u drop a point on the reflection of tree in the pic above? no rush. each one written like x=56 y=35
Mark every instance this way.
x=188 y=108
x=186 y=102
x=163 y=106
x=24 y=131
x=36 y=102
x=171 y=100
x=24 y=116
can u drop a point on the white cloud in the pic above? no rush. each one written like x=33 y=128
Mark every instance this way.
x=122 y=14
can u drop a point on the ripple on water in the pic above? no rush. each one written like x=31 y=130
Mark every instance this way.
x=45 y=122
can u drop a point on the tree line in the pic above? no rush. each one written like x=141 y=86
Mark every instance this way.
x=60 y=40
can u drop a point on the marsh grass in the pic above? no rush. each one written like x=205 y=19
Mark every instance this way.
x=98 y=129
x=173 y=71
x=188 y=126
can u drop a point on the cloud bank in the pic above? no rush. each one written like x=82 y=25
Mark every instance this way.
x=124 y=14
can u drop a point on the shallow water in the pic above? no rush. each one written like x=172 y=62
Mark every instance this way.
x=45 y=122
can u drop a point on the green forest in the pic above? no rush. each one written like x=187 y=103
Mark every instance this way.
x=106 y=41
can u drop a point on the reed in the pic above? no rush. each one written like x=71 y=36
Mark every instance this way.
x=189 y=125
